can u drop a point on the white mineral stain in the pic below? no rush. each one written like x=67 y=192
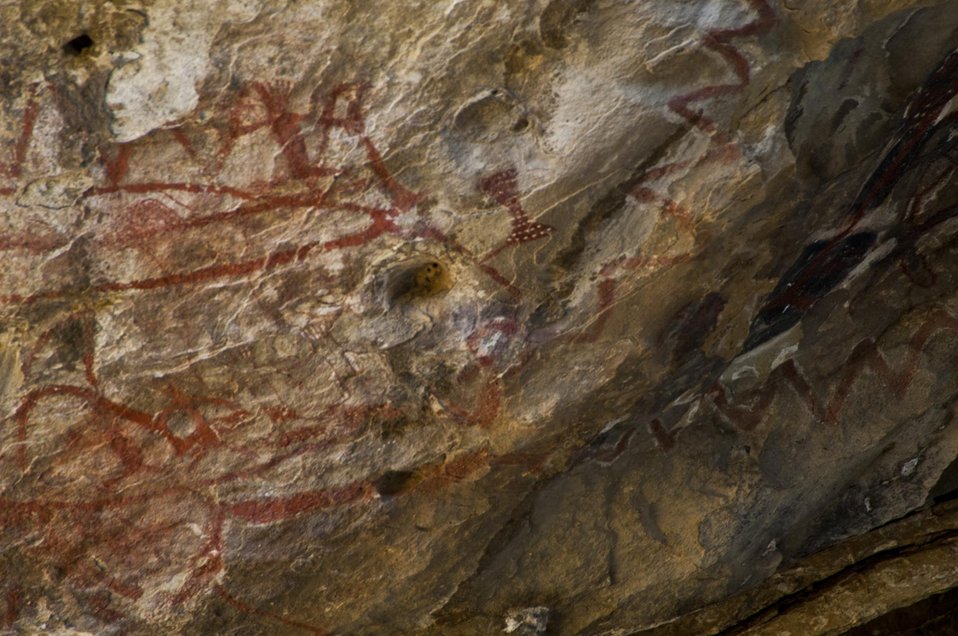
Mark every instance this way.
x=158 y=84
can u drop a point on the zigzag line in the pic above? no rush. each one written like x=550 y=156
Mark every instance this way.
x=865 y=356
x=720 y=41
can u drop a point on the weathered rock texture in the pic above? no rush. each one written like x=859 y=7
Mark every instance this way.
x=552 y=316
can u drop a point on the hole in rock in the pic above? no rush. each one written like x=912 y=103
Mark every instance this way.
x=420 y=279
x=394 y=482
x=78 y=45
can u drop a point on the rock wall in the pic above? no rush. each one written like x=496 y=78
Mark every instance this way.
x=565 y=316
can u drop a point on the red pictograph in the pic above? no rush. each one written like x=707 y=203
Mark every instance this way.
x=503 y=187
x=147 y=510
x=171 y=459
x=140 y=211
x=488 y=342
x=865 y=357
x=13 y=166
x=721 y=41
x=722 y=149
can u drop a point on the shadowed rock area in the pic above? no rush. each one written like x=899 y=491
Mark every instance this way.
x=469 y=317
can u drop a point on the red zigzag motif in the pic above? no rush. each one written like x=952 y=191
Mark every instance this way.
x=720 y=41
x=865 y=356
